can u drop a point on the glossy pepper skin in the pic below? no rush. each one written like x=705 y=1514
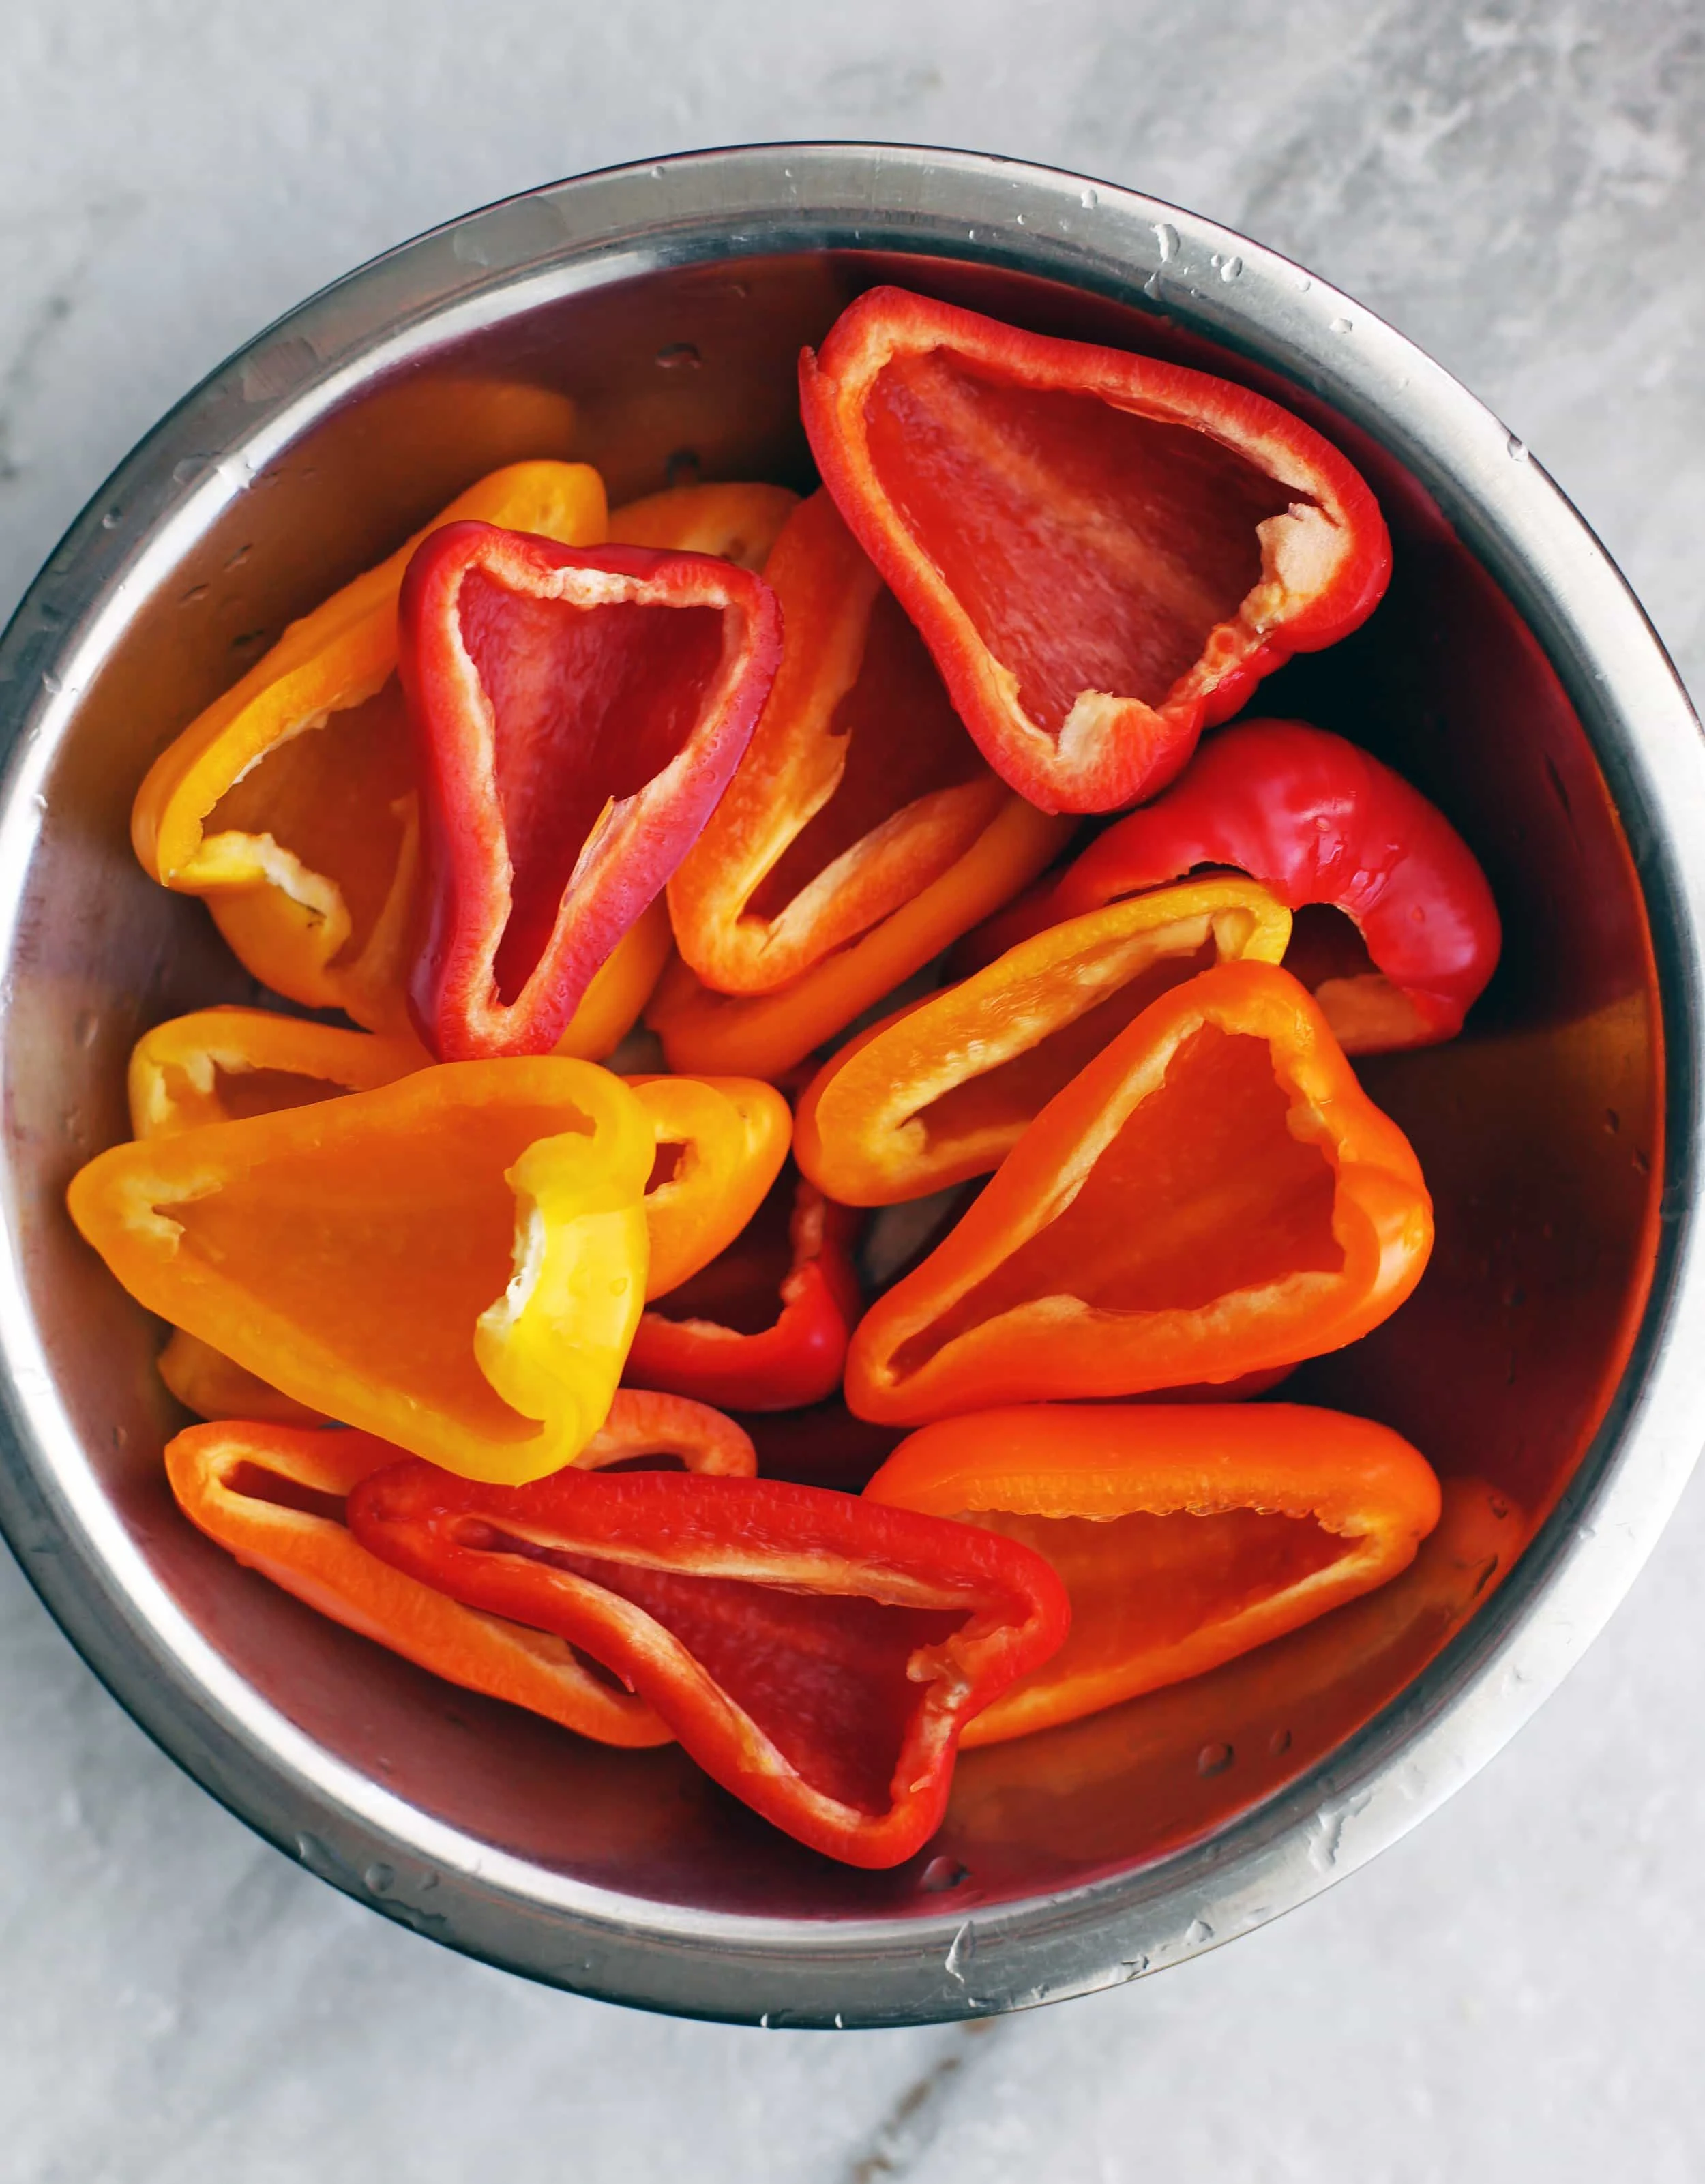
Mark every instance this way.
x=818 y=1655
x=726 y=1138
x=1104 y=553
x=765 y=1326
x=1183 y=1535
x=1316 y=820
x=944 y=1090
x=737 y=522
x=1212 y=1196
x=216 y=1065
x=858 y=789
x=275 y=1499
x=769 y=1034
x=290 y=803
x=577 y=716
x=455 y=1261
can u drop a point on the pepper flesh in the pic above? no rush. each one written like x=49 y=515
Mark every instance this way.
x=290 y=803
x=738 y=523
x=859 y=788
x=944 y=1089
x=765 y=1326
x=215 y=1065
x=276 y=1498
x=768 y=1034
x=1185 y=1535
x=719 y=1144
x=1104 y=553
x=348 y=1253
x=818 y=1655
x=1317 y=821
x=577 y=716
x=1212 y=1196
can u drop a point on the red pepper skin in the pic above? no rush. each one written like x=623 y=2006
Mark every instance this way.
x=572 y=737
x=794 y=1360
x=1239 y=536
x=1315 y=820
x=817 y=1655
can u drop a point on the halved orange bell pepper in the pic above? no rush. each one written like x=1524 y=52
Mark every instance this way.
x=1213 y=1194
x=1104 y=553
x=763 y=1327
x=720 y=1143
x=212 y=1385
x=816 y=1655
x=767 y=1034
x=275 y=1498
x=859 y=786
x=945 y=1089
x=1185 y=1535
x=290 y=803
x=738 y=523
x=350 y=1253
x=215 y=1065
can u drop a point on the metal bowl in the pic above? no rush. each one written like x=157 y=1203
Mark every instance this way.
x=650 y=320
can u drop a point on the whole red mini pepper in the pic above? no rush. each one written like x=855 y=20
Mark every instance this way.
x=1104 y=553
x=1316 y=820
x=818 y=1655
x=763 y=1327
x=576 y=715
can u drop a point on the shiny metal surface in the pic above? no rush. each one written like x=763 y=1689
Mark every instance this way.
x=649 y=320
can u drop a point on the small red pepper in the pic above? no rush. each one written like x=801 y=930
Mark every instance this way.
x=763 y=1327
x=1316 y=820
x=576 y=715
x=1104 y=553
x=818 y=1655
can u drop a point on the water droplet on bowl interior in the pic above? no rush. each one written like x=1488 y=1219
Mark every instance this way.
x=379 y=1878
x=942 y=1873
x=1214 y=1758
x=678 y=356
x=1341 y=325
x=1232 y=270
x=1516 y=449
x=1168 y=237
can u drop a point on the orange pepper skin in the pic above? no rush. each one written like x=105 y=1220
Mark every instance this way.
x=1185 y=1535
x=215 y=1065
x=737 y=523
x=731 y=1136
x=768 y=1034
x=273 y=1496
x=751 y=1335
x=457 y=1258
x=943 y=1090
x=1104 y=553
x=817 y=1655
x=1212 y=1196
x=310 y=870
x=859 y=786
x=576 y=715
x=621 y=987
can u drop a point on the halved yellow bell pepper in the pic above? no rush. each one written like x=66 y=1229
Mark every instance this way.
x=455 y=1261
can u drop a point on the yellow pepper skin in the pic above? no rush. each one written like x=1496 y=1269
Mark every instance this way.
x=308 y=861
x=730 y=1135
x=737 y=523
x=621 y=987
x=943 y=1090
x=455 y=1261
x=207 y=1383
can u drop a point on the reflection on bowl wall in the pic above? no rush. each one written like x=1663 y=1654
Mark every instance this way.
x=649 y=321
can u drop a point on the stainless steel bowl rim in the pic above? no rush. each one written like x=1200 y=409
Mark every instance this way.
x=711 y=206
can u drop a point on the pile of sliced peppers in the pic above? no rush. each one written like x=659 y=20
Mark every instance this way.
x=742 y=1376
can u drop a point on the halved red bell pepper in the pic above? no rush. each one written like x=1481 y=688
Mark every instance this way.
x=858 y=789
x=275 y=1496
x=765 y=1326
x=1317 y=821
x=1104 y=553
x=576 y=715
x=816 y=1655
x=1186 y=1536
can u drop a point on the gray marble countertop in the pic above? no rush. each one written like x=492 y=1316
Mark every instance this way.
x=1509 y=1993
